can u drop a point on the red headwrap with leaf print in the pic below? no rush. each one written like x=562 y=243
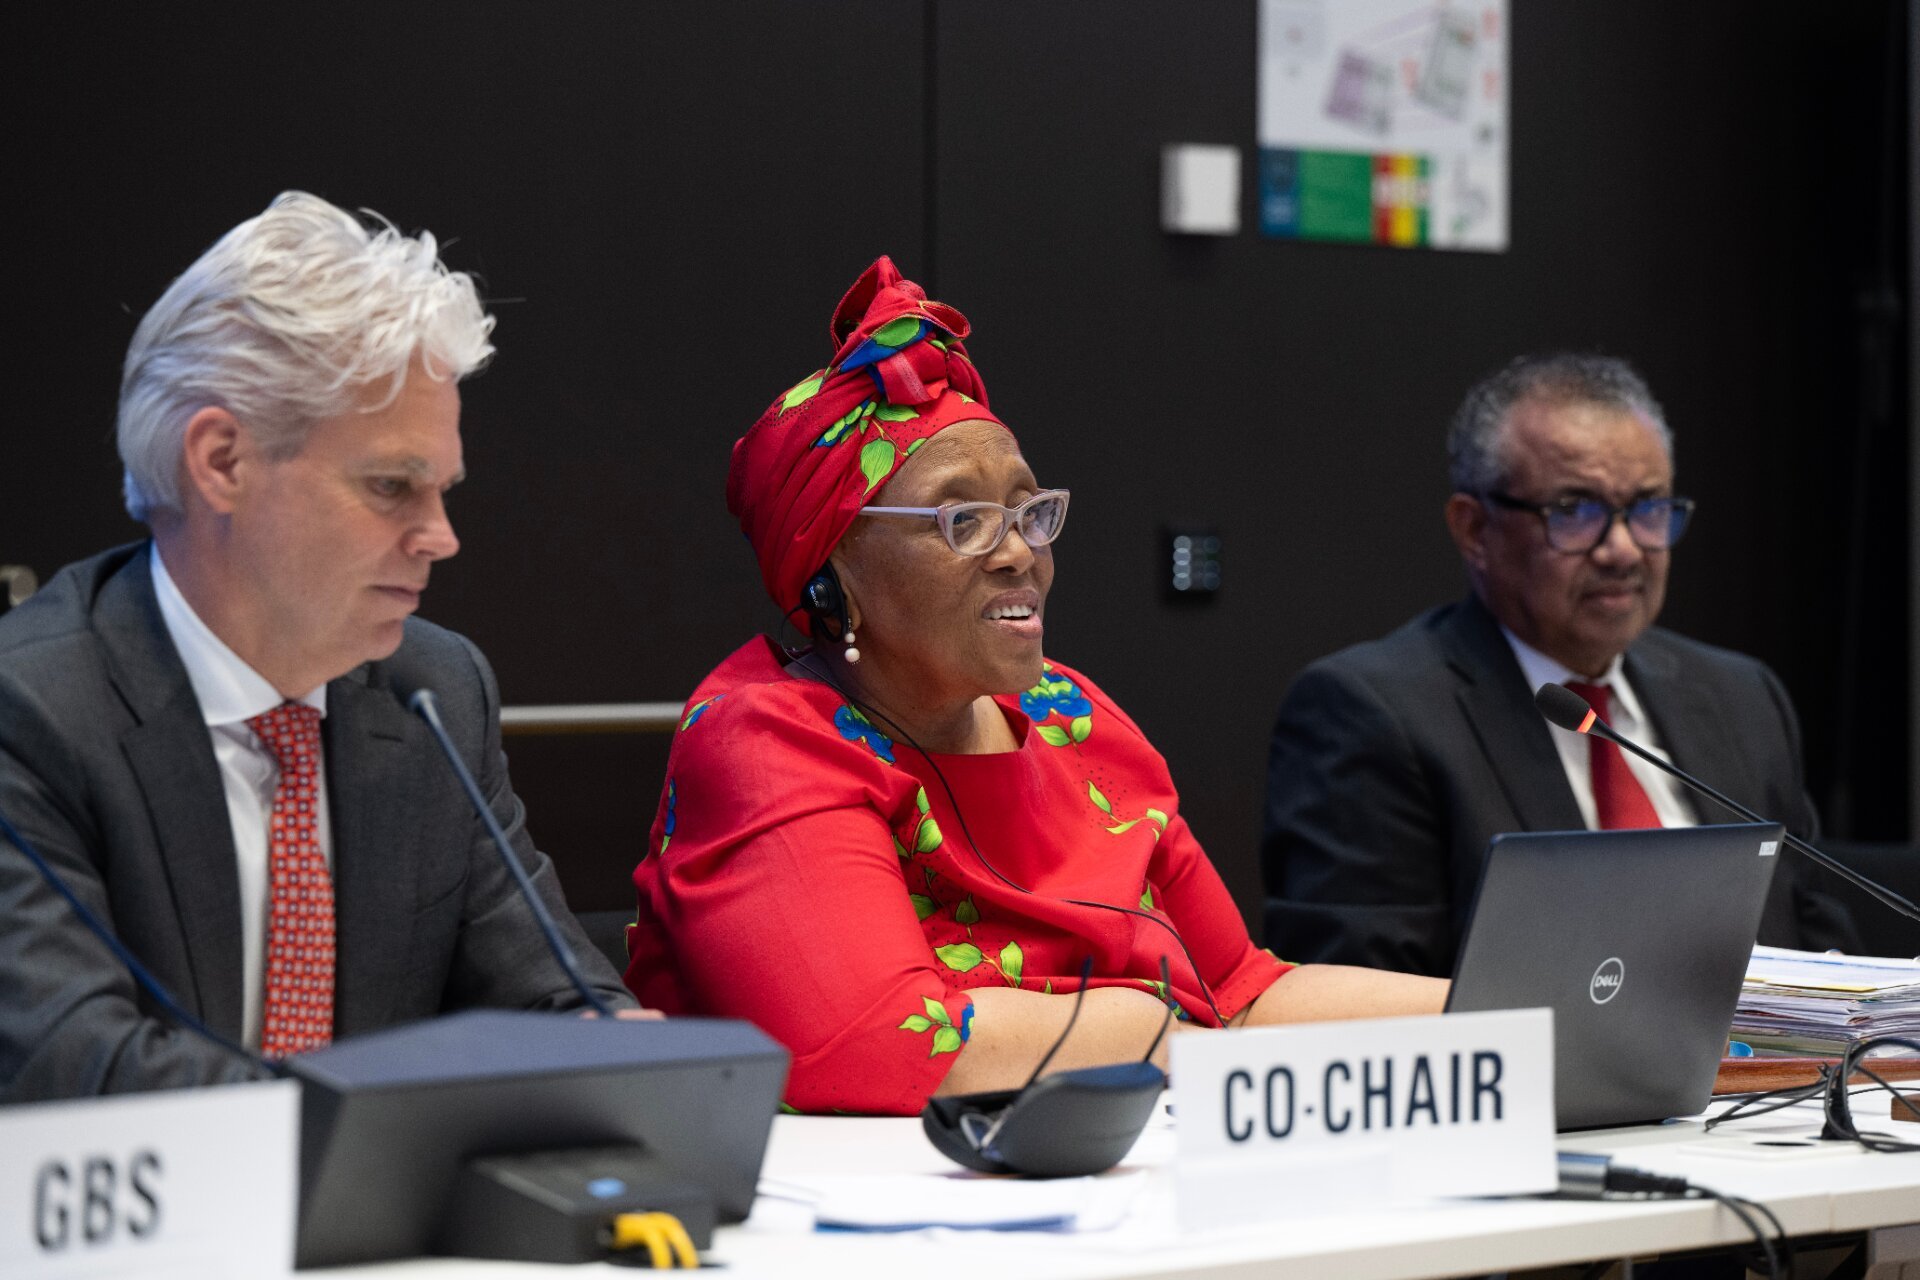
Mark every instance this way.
x=817 y=455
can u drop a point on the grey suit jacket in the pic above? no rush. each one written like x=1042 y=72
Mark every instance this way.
x=106 y=766
x=1394 y=762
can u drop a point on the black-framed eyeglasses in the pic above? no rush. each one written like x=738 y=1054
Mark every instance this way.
x=976 y=528
x=1578 y=525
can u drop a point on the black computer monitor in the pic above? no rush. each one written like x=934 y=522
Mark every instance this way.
x=388 y=1119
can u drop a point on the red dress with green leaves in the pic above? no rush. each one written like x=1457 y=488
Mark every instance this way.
x=809 y=874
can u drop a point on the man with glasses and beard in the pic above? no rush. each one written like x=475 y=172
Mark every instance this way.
x=1395 y=761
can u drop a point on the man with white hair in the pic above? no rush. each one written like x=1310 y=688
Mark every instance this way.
x=206 y=734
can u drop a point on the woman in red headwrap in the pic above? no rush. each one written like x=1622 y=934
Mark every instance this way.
x=899 y=850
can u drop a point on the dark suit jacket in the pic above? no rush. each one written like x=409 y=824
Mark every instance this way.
x=1395 y=761
x=107 y=767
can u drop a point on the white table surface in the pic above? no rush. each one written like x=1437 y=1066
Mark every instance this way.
x=1812 y=1191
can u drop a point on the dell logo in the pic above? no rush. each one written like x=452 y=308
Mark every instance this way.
x=1606 y=980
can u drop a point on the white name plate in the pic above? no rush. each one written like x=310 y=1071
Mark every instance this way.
x=187 y=1183
x=1328 y=1115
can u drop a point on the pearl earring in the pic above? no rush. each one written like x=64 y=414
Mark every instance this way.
x=852 y=654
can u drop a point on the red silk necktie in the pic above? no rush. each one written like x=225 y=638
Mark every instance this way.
x=1619 y=801
x=299 y=981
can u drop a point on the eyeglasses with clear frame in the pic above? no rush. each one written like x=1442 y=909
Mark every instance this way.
x=976 y=528
x=1577 y=525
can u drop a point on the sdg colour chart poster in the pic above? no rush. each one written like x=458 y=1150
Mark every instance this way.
x=1384 y=122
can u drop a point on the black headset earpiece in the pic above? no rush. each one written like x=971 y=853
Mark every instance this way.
x=823 y=599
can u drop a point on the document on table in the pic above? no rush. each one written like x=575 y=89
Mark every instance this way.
x=1814 y=1002
x=1832 y=972
x=880 y=1202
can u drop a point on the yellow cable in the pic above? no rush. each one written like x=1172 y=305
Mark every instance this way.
x=682 y=1242
x=657 y=1249
x=632 y=1230
x=667 y=1243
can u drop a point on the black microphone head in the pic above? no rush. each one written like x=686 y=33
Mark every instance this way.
x=1563 y=707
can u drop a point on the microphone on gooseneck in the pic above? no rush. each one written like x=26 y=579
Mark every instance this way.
x=1069 y=1124
x=1567 y=709
x=1166 y=1020
x=1073 y=1016
x=424 y=704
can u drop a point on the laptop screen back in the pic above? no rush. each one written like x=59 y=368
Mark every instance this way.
x=1637 y=940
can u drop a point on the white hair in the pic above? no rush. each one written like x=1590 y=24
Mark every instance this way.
x=291 y=318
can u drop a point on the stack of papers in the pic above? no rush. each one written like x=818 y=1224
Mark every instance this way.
x=1810 y=1002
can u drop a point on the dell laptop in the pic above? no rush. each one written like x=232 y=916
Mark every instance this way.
x=1637 y=940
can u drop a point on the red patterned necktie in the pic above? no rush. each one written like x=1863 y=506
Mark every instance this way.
x=299 y=985
x=1619 y=801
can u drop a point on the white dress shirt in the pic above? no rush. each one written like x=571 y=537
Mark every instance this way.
x=231 y=693
x=1626 y=715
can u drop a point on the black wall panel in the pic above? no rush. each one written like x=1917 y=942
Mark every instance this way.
x=666 y=201
x=1295 y=396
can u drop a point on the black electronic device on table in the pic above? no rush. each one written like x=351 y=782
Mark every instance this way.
x=1637 y=940
x=1063 y=1125
x=406 y=1134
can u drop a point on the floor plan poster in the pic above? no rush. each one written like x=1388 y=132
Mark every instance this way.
x=1384 y=122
